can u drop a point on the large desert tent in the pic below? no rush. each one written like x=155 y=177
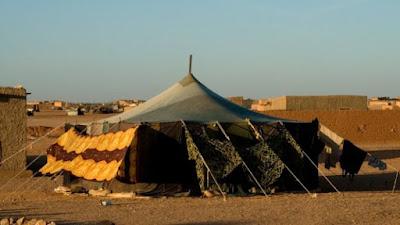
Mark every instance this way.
x=190 y=139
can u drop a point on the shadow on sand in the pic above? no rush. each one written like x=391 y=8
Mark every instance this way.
x=100 y=222
x=27 y=213
x=214 y=223
x=365 y=182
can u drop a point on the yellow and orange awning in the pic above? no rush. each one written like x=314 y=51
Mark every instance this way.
x=91 y=157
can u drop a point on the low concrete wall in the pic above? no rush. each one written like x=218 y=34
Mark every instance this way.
x=278 y=103
x=330 y=103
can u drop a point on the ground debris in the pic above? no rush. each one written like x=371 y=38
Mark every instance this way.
x=62 y=190
x=23 y=221
x=99 y=193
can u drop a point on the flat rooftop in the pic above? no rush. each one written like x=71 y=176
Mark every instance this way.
x=10 y=91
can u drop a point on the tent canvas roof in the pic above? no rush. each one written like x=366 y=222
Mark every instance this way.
x=189 y=100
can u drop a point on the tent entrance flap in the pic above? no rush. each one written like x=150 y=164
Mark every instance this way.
x=159 y=156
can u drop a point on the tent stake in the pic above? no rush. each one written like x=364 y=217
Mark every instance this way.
x=244 y=163
x=257 y=133
x=204 y=162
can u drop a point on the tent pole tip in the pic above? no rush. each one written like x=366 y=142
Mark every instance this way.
x=190 y=64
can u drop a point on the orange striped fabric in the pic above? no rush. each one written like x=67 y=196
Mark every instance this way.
x=82 y=165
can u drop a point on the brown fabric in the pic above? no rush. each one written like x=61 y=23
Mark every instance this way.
x=122 y=126
x=157 y=155
x=60 y=154
x=127 y=171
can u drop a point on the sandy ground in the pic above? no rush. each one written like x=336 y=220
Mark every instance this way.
x=366 y=200
x=326 y=208
x=331 y=208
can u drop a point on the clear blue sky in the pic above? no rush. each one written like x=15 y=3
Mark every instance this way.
x=104 y=50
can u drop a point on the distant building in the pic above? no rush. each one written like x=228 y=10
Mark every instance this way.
x=58 y=104
x=126 y=104
x=383 y=103
x=240 y=100
x=13 y=127
x=298 y=103
x=33 y=105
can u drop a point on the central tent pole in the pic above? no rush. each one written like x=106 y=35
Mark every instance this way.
x=190 y=64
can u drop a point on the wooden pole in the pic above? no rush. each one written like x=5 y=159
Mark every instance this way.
x=190 y=64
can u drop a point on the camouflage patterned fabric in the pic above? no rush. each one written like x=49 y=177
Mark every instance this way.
x=264 y=163
x=266 y=159
x=219 y=154
x=194 y=154
x=284 y=145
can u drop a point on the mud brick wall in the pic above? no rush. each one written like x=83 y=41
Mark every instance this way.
x=13 y=127
x=330 y=103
